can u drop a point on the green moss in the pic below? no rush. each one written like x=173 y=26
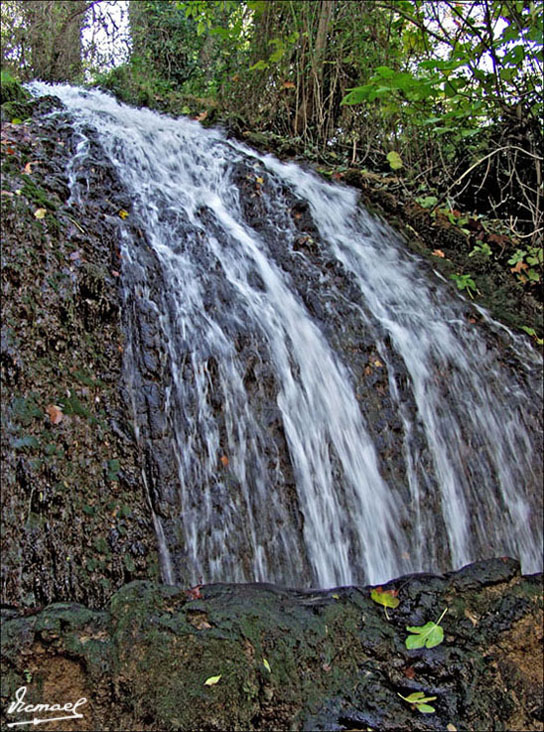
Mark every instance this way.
x=11 y=90
x=36 y=194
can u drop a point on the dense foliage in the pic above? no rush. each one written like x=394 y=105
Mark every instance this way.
x=447 y=96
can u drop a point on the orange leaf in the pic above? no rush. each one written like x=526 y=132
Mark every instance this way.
x=55 y=413
x=288 y=85
x=28 y=168
x=201 y=117
x=224 y=460
x=438 y=253
x=519 y=266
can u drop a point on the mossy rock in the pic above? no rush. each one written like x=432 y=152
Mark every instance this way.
x=11 y=90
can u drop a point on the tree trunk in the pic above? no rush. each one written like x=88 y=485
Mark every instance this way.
x=54 y=37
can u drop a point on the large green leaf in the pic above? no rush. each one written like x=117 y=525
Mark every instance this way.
x=425 y=636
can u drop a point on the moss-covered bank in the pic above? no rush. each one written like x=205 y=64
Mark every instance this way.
x=75 y=522
x=287 y=659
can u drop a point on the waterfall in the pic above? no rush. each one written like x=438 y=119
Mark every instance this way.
x=313 y=405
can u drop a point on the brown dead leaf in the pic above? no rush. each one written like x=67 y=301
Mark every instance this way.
x=202 y=116
x=55 y=413
x=224 y=460
x=471 y=616
x=519 y=266
x=28 y=167
x=438 y=253
x=499 y=239
x=288 y=85
x=409 y=672
x=199 y=620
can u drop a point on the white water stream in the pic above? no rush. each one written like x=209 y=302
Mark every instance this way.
x=335 y=519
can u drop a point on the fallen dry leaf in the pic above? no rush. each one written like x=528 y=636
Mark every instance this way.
x=39 y=213
x=519 y=266
x=55 y=413
x=438 y=253
x=224 y=460
x=28 y=167
x=471 y=616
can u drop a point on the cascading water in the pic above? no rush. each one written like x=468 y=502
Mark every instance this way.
x=313 y=406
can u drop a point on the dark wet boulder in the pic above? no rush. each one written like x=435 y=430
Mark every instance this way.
x=290 y=659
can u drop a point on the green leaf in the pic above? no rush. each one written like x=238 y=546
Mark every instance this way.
x=358 y=94
x=384 y=597
x=212 y=681
x=427 y=201
x=395 y=160
x=259 y=66
x=267 y=665
x=385 y=71
x=27 y=441
x=425 y=708
x=428 y=636
x=417 y=697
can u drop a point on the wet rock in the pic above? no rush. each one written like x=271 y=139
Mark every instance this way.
x=290 y=659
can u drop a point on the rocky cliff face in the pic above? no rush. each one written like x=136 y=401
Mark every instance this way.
x=77 y=529
x=288 y=659
x=75 y=524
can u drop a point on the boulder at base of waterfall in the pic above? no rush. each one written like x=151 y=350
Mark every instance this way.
x=285 y=659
